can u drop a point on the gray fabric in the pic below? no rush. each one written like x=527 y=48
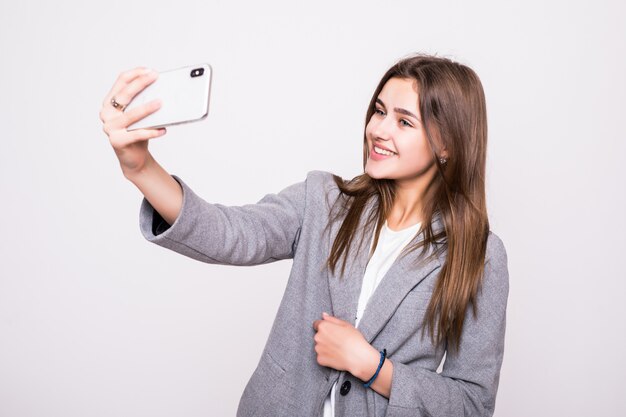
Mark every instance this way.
x=288 y=381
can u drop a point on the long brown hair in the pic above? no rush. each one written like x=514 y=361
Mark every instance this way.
x=454 y=116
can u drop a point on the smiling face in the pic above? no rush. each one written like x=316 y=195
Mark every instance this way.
x=396 y=126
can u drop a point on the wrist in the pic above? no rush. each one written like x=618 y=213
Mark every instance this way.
x=367 y=367
x=383 y=357
x=133 y=174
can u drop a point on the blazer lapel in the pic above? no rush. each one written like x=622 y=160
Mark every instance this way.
x=345 y=291
x=401 y=277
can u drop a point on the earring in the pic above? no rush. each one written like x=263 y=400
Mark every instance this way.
x=443 y=160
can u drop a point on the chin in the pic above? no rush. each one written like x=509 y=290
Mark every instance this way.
x=376 y=174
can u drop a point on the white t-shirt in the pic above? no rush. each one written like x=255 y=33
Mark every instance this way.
x=390 y=244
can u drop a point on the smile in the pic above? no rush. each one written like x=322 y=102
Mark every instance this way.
x=383 y=151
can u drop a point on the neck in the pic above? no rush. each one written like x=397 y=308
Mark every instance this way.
x=408 y=206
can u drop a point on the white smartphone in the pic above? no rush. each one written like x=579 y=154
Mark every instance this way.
x=184 y=94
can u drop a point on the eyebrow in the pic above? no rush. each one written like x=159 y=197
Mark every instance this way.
x=400 y=110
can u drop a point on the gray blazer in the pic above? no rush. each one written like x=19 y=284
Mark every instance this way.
x=288 y=381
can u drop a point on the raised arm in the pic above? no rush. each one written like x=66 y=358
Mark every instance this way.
x=173 y=216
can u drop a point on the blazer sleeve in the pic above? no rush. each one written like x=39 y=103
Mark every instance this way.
x=468 y=382
x=250 y=234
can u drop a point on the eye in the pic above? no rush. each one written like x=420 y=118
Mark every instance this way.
x=379 y=111
x=405 y=123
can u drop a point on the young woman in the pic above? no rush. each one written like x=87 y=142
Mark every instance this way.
x=391 y=270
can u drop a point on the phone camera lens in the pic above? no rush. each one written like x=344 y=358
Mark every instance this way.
x=197 y=72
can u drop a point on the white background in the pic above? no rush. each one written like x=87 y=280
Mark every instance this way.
x=96 y=321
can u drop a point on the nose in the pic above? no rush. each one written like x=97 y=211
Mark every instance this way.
x=383 y=129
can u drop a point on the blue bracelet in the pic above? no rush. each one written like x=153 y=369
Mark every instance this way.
x=383 y=354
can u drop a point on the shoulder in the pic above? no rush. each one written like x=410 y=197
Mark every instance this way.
x=320 y=179
x=496 y=274
x=321 y=185
x=307 y=190
x=496 y=252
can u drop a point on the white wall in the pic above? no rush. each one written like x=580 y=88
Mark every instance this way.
x=96 y=321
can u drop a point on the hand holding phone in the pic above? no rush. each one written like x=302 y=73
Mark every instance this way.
x=130 y=127
x=184 y=95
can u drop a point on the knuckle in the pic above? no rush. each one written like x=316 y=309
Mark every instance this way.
x=141 y=82
x=126 y=121
x=146 y=80
x=130 y=117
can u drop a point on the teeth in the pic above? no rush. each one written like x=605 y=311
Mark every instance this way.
x=383 y=152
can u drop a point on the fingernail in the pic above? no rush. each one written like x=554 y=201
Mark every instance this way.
x=324 y=314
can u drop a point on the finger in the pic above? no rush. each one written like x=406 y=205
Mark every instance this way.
x=131 y=116
x=123 y=79
x=130 y=90
x=316 y=324
x=109 y=114
x=145 y=134
x=124 y=97
x=122 y=138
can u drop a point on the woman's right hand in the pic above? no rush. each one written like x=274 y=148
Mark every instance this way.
x=131 y=147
